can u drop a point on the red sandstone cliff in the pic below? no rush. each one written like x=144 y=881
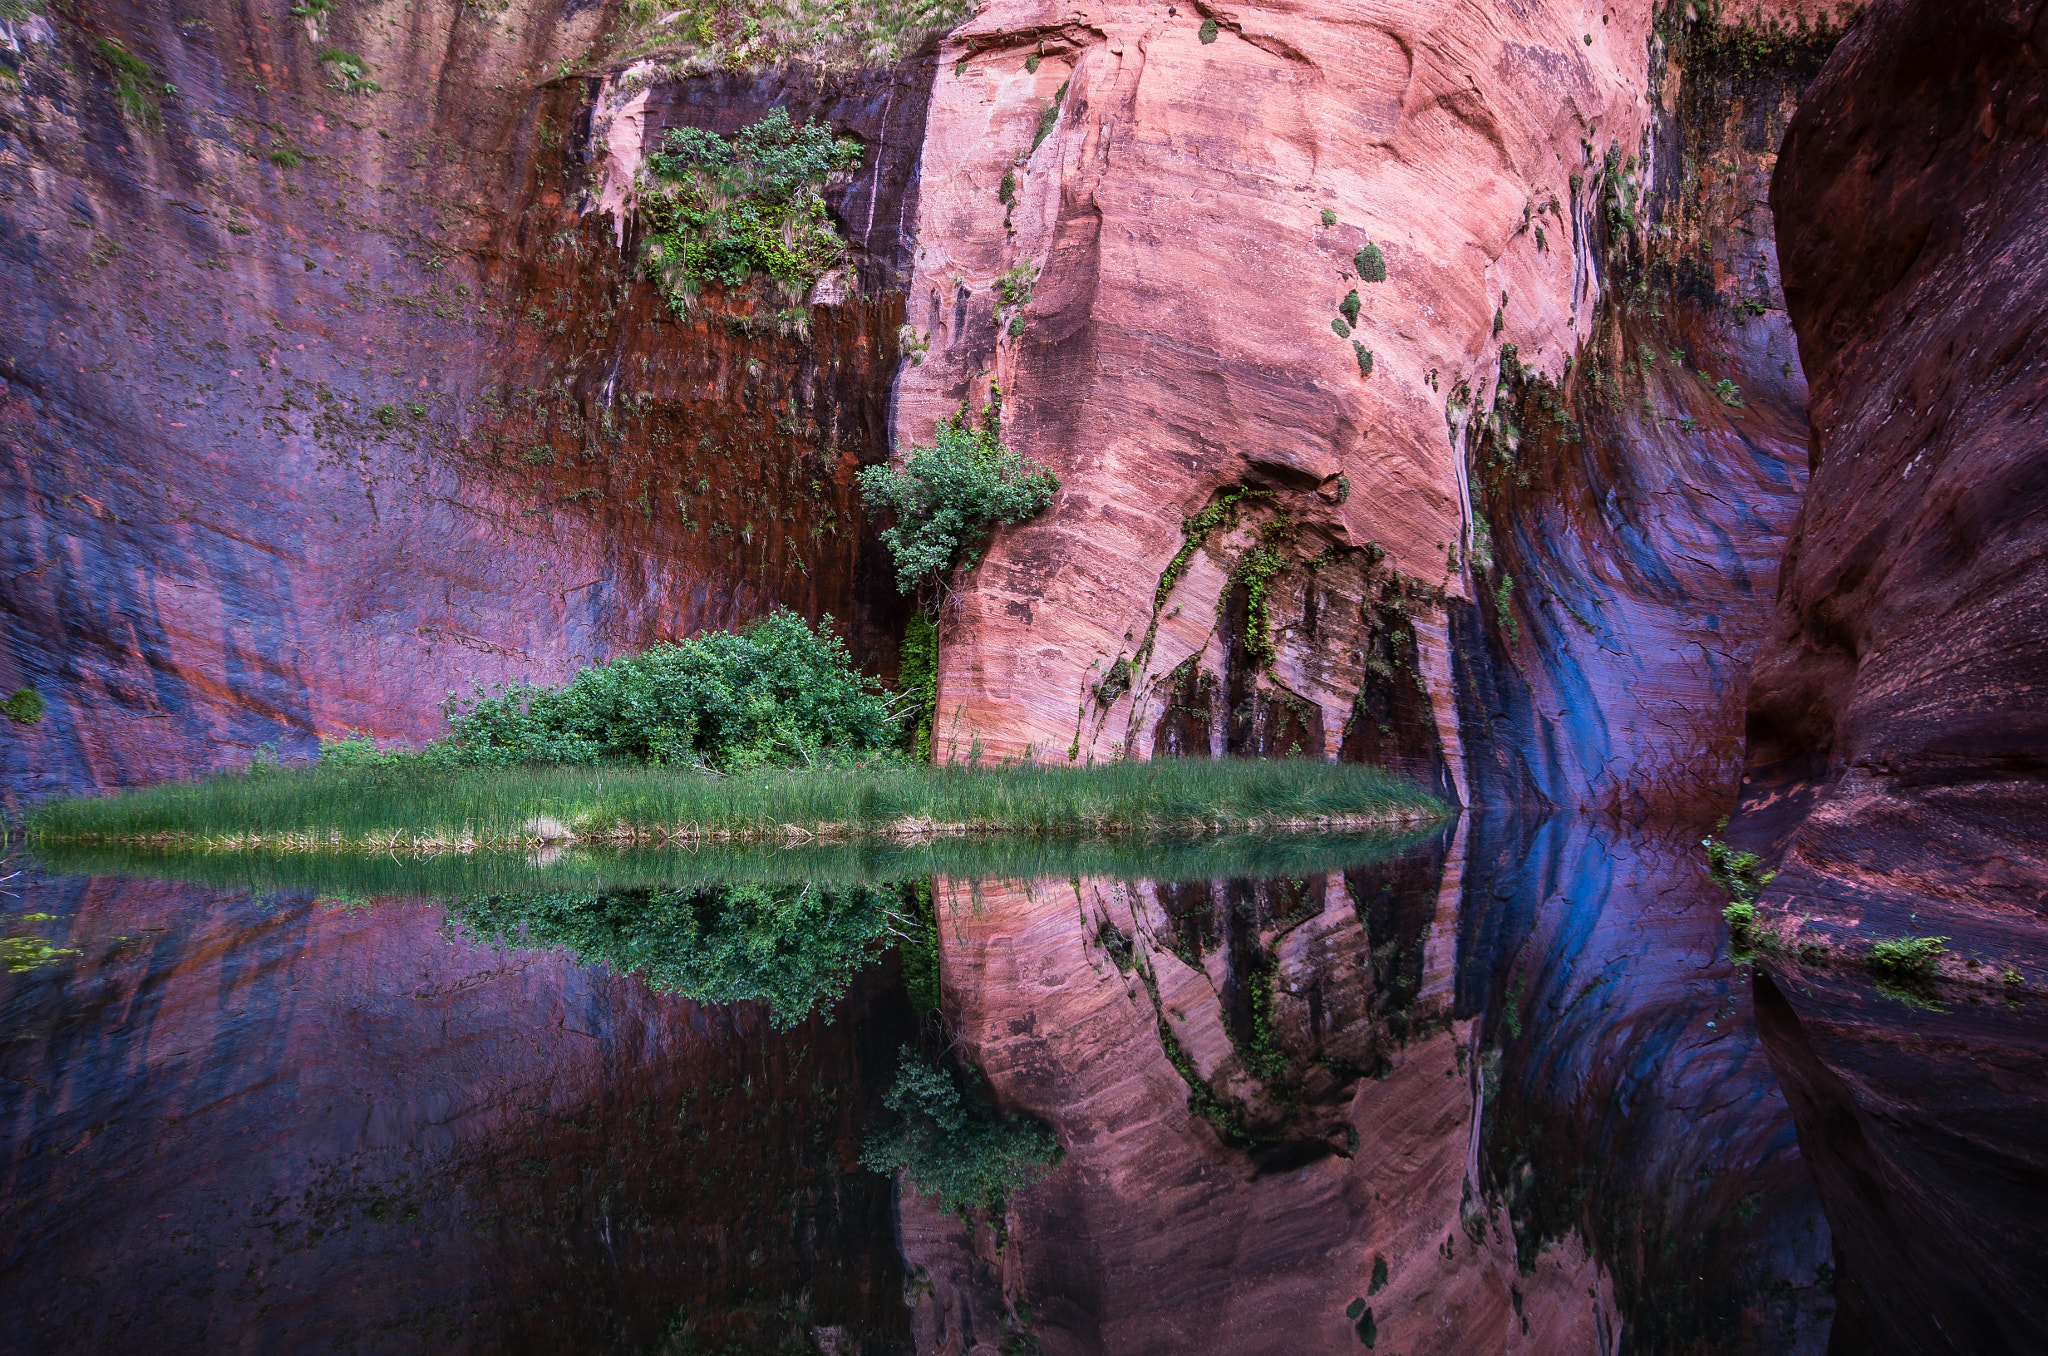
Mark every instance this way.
x=1178 y=341
x=320 y=405
x=1525 y=559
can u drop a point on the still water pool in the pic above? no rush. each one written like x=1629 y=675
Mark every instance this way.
x=1494 y=1086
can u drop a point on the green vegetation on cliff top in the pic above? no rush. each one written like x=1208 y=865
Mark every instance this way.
x=707 y=35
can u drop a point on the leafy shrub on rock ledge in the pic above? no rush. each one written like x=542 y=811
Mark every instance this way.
x=947 y=497
x=723 y=210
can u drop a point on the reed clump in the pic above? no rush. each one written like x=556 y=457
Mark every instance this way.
x=422 y=807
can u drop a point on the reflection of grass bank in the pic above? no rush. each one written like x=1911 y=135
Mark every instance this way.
x=367 y=875
x=421 y=808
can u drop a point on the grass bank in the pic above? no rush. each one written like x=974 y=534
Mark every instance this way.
x=408 y=807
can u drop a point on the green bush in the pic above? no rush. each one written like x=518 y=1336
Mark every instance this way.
x=1350 y=307
x=778 y=692
x=1014 y=285
x=1741 y=920
x=948 y=496
x=1342 y=330
x=793 y=947
x=1370 y=264
x=1208 y=31
x=1049 y=116
x=352 y=71
x=723 y=210
x=25 y=707
x=1736 y=872
x=1364 y=356
x=918 y=952
x=1906 y=958
x=952 y=1145
x=1115 y=683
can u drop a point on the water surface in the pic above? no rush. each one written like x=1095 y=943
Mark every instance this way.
x=1488 y=1087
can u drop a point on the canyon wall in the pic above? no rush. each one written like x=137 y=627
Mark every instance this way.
x=1898 y=717
x=323 y=404
x=1521 y=554
x=1197 y=210
x=1512 y=535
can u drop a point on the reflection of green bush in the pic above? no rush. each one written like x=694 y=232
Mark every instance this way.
x=920 y=950
x=953 y=1145
x=794 y=948
x=603 y=870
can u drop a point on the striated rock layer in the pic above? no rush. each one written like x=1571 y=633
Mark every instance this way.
x=1514 y=533
x=1635 y=510
x=1195 y=212
x=1898 y=717
x=320 y=405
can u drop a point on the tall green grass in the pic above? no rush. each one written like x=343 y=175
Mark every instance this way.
x=324 y=806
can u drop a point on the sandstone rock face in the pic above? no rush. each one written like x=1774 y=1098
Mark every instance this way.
x=1898 y=713
x=233 y=1125
x=320 y=405
x=1518 y=561
x=1177 y=341
x=1638 y=507
x=1471 y=1068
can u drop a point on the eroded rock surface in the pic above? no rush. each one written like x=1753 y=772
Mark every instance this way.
x=1195 y=212
x=1525 y=558
x=1899 y=714
x=321 y=405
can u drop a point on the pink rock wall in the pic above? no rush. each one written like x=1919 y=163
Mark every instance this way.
x=322 y=405
x=1178 y=340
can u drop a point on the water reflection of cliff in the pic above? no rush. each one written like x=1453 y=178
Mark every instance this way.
x=1499 y=1092
x=1490 y=1088
x=233 y=1124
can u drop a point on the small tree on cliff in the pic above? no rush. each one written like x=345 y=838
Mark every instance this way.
x=947 y=497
